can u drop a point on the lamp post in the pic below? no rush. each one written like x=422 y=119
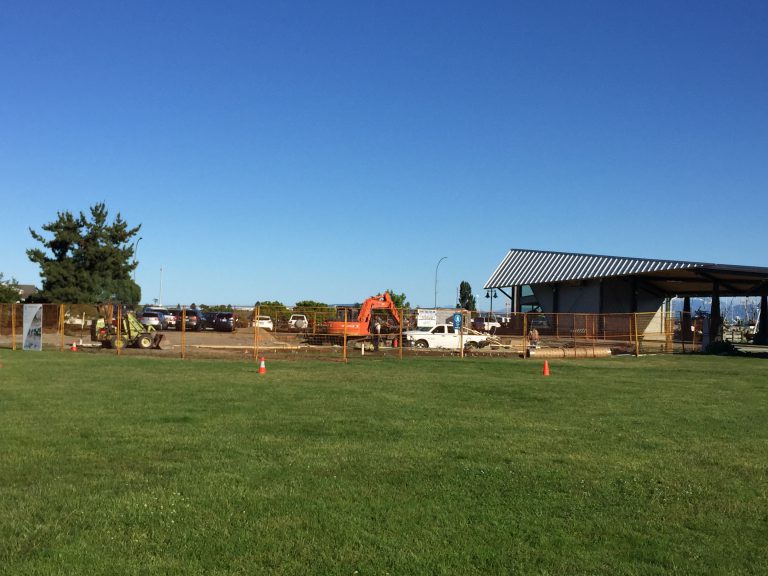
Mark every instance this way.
x=491 y=294
x=135 y=260
x=436 y=267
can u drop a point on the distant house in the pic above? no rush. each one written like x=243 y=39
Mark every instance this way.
x=27 y=290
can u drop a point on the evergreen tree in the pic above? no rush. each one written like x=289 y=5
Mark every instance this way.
x=87 y=260
x=466 y=298
x=9 y=290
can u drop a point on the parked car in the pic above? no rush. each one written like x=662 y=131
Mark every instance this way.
x=298 y=322
x=224 y=321
x=168 y=320
x=486 y=324
x=154 y=319
x=171 y=317
x=264 y=322
x=195 y=320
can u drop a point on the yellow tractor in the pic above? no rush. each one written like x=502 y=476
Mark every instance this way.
x=131 y=332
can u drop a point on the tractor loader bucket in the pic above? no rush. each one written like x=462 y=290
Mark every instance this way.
x=159 y=342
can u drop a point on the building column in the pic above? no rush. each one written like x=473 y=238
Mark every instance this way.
x=762 y=330
x=556 y=309
x=685 y=321
x=715 y=322
x=634 y=295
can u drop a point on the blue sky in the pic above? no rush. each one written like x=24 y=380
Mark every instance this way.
x=331 y=150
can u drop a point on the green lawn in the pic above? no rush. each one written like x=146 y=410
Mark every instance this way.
x=655 y=465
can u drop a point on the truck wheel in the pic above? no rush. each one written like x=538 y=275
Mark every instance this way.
x=145 y=341
x=421 y=344
x=471 y=344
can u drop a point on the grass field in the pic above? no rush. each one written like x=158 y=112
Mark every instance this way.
x=653 y=465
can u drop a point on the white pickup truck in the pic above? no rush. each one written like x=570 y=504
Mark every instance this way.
x=444 y=336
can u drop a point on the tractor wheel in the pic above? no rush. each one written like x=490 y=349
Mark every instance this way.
x=119 y=344
x=145 y=340
x=421 y=344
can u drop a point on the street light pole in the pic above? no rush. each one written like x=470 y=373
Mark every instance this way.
x=436 y=267
x=491 y=294
x=135 y=260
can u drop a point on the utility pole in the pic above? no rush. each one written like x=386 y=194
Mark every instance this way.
x=436 y=267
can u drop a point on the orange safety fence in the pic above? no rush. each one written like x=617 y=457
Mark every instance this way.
x=304 y=333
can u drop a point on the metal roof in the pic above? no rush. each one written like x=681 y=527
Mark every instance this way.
x=531 y=267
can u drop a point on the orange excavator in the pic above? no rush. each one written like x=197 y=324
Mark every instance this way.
x=361 y=326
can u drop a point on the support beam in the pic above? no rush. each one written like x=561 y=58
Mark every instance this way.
x=685 y=322
x=715 y=321
x=634 y=295
x=762 y=330
x=715 y=280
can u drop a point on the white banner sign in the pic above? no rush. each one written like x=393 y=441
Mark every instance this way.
x=426 y=318
x=33 y=327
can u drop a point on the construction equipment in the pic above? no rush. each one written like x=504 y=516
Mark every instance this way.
x=361 y=326
x=132 y=332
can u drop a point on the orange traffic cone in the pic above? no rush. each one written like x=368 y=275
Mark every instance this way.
x=546 y=368
x=74 y=346
x=262 y=367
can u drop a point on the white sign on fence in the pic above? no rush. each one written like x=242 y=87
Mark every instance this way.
x=33 y=327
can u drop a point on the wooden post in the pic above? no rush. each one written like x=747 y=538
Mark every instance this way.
x=344 y=347
x=13 y=326
x=61 y=327
x=256 y=334
x=118 y=342
x=525 y=335
x=573 y=332
x=183 y=332
x=637 y=340
x=400 y=336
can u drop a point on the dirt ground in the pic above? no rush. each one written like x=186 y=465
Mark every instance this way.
x=206 y=344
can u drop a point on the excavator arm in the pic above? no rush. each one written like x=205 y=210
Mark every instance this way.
x=378 y=302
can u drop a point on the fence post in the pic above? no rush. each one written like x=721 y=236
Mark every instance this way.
x=400 y=336
x=256 y=313
x=525 y=335
x=13 y=326
x=573 y=332
x=61 y=327
x=344 y=348
x=183 y=332
x=119 y=341
x=682 y=331
x=637 y=340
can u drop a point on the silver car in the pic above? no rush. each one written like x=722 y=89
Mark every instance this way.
x=154 y=319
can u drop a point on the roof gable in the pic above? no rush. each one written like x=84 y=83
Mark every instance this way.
x=521 y=267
